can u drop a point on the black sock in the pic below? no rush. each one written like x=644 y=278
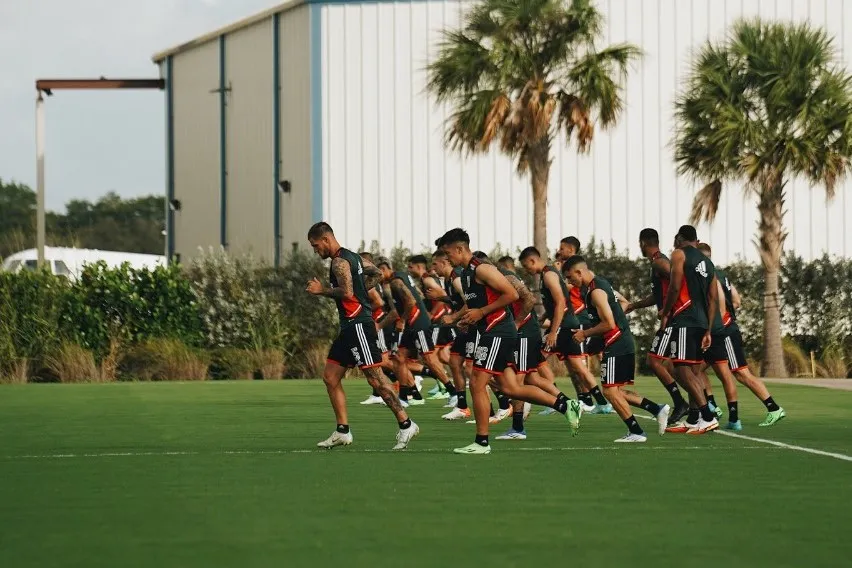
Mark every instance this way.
x=391 y=375
x=586 y=398
x=692 y=417
x=599 y=397
x=561 y=396
x=770 y=405
x=343 y=428
x=677 y=398
x=481 y=440
x=633 y=425
x=404 y=392
x=405 y=425
x=650 y=406
x=451 y=389
x=711 y=399
x=518 y=421
x=426 y=372
x=733 y=412
x=707 y=414
x=415 y=393
x=502 y=400
x=375 y=392
x=462 y=404
x=561 y=405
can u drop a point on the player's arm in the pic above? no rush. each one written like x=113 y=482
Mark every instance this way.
x=607 y=323
x=344 y=289
x=430 y=287
x=372 y=275
x=376 y=301
x=493 y=278
x=392 y=316
x=712 y=308
x=720 y=294
x=675 y=283
x=736 y=299
x=409 y=304
x=550 y=280
x=525 y=295
x=619 y=297
x=460 y=310
x=646 y=302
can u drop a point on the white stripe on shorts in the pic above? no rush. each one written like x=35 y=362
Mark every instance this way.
x=365 y=346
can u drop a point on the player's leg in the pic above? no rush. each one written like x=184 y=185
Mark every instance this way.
x=460 y=411
x=578 y=366
x=707 y=387
x=481 y=406
x=616 y=372
x=742 y=372
x=660 y=364
x=687 y=358
x=407 y=386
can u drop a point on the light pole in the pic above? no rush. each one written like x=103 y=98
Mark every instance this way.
x=40 y=228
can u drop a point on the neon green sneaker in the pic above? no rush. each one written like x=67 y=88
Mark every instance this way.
x=440 y=395
x=435 y=390
x=773 y=417
x=473 y=449
x=573 y=416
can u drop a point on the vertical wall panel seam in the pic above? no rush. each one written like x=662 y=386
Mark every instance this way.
x=223 y=148
x=276 y=138
x=363 y=223
x=661 y=155
x=411 y=118
x=170 y=159
x=316 y=102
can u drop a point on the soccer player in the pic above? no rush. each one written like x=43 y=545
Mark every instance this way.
x=658 y=354
x=489 y=296
x=619 y=358
x=568 y=247
x=727 y=355
x=357 y=343
x=690 y=306
x=415 y=330
x=563 y=323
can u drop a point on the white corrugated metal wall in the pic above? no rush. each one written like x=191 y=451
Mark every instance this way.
x=388 y=177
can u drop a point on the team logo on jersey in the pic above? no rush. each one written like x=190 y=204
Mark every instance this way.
x=702 y=268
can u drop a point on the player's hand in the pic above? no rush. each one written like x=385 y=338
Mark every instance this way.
x=399 y=326
x=447 y=319
x=579 y=336
x=628 y=309
x=435 y=294
x=706 y=341
x=314 y=287
x=659 y=314
x=472 y=316
x=663 y=322
x=550 y=339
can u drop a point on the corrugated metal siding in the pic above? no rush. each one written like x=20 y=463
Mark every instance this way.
x=387 y=176
x=250 y=158
x=196 y=148
x=295 y=68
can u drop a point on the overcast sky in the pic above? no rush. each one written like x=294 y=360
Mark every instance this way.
x=96 y=141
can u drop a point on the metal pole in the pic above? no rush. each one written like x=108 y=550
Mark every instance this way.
x=40 y=229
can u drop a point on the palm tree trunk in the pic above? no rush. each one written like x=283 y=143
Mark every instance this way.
x=771 y=244
x=539 y=163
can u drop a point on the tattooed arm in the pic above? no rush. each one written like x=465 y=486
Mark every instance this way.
x=372 y=275
x=401 y=291
x=525 y=295
x=343 y=274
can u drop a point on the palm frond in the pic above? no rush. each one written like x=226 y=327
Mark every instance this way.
x=466 y=127
x=597 y=78
x=705 y=205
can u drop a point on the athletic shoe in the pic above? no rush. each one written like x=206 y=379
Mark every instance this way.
x=573 y=416
x=663 y=419
x=403 y=437
x=678 y=428
x=678 y=414
x=715 y=410
x=588 y=408
x=773 y=417
x=735 y=426
x=602 y=409
x=404 y=403
x=632 y=438
x=473 y=449
x=373 y=399
x=471 y=422
x=457 y=414
x=546 y=412
x=336 y=439
x=501 y=414
x=435 y=390
x=418 y=382
x=452 y=402
x=527 y=410
x=416 y=402
x=440 y=395
x=702 y=427
x=512 y=434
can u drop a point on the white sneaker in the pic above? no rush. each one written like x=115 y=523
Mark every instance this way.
x=512 y=434
x=418 y=381
x=702 y=427
x=527 y=410
x=501 y=414
x=403 y=437
x=373 y=399
x=547 y=412
x=416 y=401
x=663 y=419
x=336 y=439
x=404 y=403
x=587 y=408
x=632 y=438
x=453 y=402
x=457 y=414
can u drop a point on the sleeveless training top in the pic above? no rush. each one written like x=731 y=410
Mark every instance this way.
x=356 y=309
x=690 y=309
x=659 y=284
x=496 y=324
x=419 y=318
x=569 y=320
x=619 y=340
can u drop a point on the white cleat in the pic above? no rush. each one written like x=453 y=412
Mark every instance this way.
x=587 y=408
x=702 y=427
x=632 y=438
x=501 y=414
x=547 y=412
x=373 y=399
x=416 y=402
x=403 y=437
x=336 y=439
x=663 y=419
x=527 y=410
x=457 y=414
x=512 y=434
x=403 y=403
x=453 y=402
x=418 y=381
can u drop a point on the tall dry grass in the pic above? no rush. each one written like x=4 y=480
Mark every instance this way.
x=72 y=363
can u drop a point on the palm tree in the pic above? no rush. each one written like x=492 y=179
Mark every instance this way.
x=520 y=70
x=769 y=103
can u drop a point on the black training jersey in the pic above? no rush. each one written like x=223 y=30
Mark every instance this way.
x=528 y=325
x=456 y=300
x=356 y=309
x=659 y=284
x=437 y=308
x=690 y=309
x=419 y=318
x=619 y=340
x=729 y=318
x=498 y=323
x=577 y=303
x=569 y=320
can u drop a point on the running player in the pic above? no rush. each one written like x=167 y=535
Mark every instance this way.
x=619 y=362
x=356 y=345
x=690 y=306
x=489 y=294
x=658 y=358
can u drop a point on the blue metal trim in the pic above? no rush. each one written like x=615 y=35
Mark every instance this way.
x=276 y=136
x=170 y=160
x=316 y=112
x=223 y=154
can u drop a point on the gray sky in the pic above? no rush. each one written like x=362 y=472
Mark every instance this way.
x=96 y=141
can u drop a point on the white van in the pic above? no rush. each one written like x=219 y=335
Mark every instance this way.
x=69 y=262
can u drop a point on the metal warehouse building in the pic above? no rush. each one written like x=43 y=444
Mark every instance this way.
x=317 y=109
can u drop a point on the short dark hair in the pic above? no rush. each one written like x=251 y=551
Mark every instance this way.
x=439 y=254
x=704 y=247
x=382 y=261
x=480 y=255
x=506 y=260
x=650 y=236
x=457 y=235
x=417 y=259
x=572 y=241
x=688 y=233
x=528 y=252
x=572 y=262
x=366 y=255
x=319 y=230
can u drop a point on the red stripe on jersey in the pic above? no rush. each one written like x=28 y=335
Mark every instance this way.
x=351 y=306
x=727 y=319
x=414 y=315
x=440 y=313
x=492 y=321
x=683 y=300
x=611 y=336
x=576 y=300
x=378 y=314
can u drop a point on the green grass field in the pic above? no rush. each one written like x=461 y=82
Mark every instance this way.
x=227 y=474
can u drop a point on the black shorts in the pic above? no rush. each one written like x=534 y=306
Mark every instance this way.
x=717 y=352
x=727 y=349
x=494 y=354
x=443 y=336
x=618 y=370
x=464 y=344
x=528 y=355
x=356 y=346
x=685 y=345
x=566 y=347
x=595 y=344
x=385 y=339
x=660 y=346
x=416 y=342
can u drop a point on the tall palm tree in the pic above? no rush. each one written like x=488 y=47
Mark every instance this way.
x=769 y=103
x=520 y=70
